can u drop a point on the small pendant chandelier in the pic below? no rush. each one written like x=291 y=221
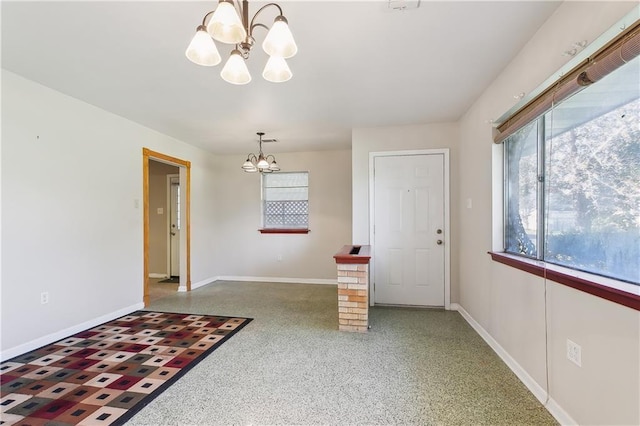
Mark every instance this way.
x=260 y=163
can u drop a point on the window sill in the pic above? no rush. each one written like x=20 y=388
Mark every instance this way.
x=283 y=231
x=615 y=291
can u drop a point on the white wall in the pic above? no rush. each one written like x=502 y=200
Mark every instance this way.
x=244 y=252
x=72 y=211
x=510 y=304
x=403 y=138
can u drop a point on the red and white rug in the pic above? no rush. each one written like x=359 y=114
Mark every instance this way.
x=103 y=376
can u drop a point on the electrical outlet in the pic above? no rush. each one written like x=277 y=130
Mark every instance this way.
x=574 y=353
x=279 y=258
x=44 y=297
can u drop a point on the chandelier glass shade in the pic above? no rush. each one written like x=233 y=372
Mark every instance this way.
x=235 y=71
x=279 y=40
x=260 y=163
x=202 y=50
x=225 y=24
x=229 y=23
x=276 y=70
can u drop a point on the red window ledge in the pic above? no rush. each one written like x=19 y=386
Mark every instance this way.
x=283 y=231
x=615 y=295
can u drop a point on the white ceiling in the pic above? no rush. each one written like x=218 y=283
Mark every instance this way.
x=358 y=65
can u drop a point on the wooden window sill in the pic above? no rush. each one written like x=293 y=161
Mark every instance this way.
x=283 y=231
x=568 y=277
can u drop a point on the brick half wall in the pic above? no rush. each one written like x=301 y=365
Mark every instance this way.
x=353 y=297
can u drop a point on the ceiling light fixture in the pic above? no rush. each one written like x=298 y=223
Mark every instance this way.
x=260 y=163
x=226 y=26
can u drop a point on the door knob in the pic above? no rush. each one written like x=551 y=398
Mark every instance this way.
x=439 y=231
x=439 y=242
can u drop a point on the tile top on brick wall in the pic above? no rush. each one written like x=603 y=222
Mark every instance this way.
x=345 y=256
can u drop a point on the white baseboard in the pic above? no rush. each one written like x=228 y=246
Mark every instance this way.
x=280 y=280
x=54 y=337
x=213 y=280
x=538 y=391
x=157 y=275
x=559 y=414
x=200 y=283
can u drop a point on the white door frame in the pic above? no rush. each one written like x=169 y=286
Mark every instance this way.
x=168 y=215
x=447 y=227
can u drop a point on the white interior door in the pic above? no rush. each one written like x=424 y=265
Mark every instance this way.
x=174 y=226
x=408 y=219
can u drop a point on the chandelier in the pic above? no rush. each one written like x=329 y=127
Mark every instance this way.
x=226 y=26
x=261 y=163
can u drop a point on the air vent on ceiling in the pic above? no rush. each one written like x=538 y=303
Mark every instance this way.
x=403 y=4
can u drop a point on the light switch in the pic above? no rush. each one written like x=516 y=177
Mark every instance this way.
x=160 y=210
x=469 y=203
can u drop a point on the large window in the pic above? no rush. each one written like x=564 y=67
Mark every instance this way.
x=572 y=181
x=285 y=198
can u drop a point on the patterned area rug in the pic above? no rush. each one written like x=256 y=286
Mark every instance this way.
x=103 y=376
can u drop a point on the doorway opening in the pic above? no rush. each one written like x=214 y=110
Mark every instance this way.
x=158 y=229
x=173 y=226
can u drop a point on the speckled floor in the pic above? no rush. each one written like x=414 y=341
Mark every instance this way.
x=291 y=366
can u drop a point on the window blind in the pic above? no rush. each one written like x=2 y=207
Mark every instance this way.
x=285 y=198
x=610 y=57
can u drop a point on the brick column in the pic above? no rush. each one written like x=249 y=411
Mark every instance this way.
x=353 y=288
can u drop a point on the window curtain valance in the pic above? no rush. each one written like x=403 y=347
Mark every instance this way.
x=610 y=57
